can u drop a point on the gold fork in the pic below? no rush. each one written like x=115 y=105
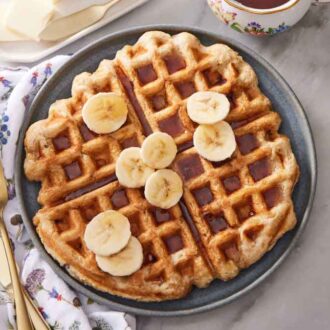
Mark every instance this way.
x=22 y=317
x=5 y=280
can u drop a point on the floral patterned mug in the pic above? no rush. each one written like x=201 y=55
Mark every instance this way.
x=260 y=22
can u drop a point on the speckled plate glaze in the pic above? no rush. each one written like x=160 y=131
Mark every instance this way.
x=295 y=125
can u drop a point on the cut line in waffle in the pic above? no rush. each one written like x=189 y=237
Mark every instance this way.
x=231 y=213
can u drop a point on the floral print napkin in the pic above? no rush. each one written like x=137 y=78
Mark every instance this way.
x=60 y=305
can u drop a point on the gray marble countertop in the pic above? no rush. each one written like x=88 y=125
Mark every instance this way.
x=297 y=295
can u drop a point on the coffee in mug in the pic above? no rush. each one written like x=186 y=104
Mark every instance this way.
x=261 y=17
x=262 y=4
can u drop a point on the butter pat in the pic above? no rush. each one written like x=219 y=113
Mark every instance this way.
x=64 y=27
x=6 y=34
x=29 y=17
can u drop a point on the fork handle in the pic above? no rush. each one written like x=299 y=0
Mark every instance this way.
x=22 y=317
x=37 y=320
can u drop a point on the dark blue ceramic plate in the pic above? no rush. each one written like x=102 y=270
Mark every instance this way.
x=295 y=125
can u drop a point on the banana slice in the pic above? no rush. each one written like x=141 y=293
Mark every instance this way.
x=124 y=263
x=131 y=171
x=108 y=233
x=158 y=150
x=163 y=189
x=105 y=112
x=207 y=107
x=215 y=142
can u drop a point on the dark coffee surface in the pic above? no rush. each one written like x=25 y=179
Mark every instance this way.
x=262 y=4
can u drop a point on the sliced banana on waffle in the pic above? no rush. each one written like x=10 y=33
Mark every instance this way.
x=124 y=263
x=158 y=150
x=215 y=142
x=131 y=171
x=163 y=189
x=105 y=112
x=207 y=107
x=108 y=233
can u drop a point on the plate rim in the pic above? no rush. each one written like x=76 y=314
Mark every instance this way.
x=80 y=286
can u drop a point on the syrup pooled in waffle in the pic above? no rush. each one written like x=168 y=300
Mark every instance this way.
x=231 y=213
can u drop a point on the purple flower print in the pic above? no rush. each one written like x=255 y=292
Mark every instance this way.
x=34 y=78
x=5 y=82
x=282 y=27
x=4 y=128
x=255 y=28
x=34 y=284
x=254 y=25
x=11 y=190
x=43 y=313
x=4 y=131
x=55 y=294
x=48 y=69
x=34 y=281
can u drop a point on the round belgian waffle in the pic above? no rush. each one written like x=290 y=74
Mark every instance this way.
x=231 y=213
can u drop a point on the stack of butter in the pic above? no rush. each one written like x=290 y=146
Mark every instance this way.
x=48 y=20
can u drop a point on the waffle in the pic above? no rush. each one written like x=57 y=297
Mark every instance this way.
x=232 y=212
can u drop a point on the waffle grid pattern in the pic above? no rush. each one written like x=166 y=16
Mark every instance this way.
x=239 y=207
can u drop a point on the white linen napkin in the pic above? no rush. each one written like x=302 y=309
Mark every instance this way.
x=61 y=306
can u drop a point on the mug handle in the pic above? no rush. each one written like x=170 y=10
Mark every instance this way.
x=317 y=2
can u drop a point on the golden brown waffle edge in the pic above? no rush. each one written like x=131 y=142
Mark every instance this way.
x=231 y=213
